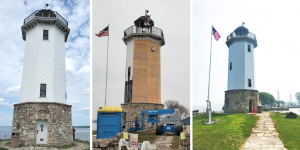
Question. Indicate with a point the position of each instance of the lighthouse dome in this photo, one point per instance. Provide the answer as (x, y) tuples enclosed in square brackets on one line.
[(241, 30), (241, 34)]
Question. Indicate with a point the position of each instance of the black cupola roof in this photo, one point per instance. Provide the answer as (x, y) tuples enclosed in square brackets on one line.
[(241, 30)]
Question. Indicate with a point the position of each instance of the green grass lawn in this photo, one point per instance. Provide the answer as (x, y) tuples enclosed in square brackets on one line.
[(175, 142), (289, 130), (1, 148), (229, 133)]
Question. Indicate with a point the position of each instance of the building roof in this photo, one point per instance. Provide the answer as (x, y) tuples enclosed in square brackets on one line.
[(110, 109)]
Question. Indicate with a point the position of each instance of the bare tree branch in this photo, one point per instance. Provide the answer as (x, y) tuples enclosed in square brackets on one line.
[(174, 104)]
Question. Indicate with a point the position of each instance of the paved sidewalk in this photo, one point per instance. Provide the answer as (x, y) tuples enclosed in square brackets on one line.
[(264, 135), (164, 141)]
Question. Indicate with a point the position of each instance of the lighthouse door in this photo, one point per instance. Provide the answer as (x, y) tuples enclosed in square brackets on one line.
[(41, 132)]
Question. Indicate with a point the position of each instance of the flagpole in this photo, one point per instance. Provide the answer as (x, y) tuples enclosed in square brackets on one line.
[(209, 69), (106, 65)]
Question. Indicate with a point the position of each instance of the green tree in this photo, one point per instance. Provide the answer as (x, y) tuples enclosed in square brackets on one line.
[(298, 96), (266, 98)]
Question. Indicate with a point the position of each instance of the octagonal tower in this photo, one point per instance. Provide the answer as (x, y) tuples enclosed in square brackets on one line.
[(42, 110), (241, 94), (143, 68)]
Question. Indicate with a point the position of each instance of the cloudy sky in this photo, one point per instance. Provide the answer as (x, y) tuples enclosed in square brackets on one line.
[(12, 46), (172, 16), (275, 24)]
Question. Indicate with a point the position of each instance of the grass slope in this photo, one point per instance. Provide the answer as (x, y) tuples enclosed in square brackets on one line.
[(175, 143), (228, 134), (289, 130)]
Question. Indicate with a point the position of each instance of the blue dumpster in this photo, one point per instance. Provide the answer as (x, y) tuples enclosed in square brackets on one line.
[(109, 121)]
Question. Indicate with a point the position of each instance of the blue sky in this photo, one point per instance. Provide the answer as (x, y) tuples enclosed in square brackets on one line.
[(12, 46)]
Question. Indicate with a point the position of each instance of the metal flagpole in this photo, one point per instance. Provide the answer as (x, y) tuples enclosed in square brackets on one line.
[(207, 109), (106, 65)]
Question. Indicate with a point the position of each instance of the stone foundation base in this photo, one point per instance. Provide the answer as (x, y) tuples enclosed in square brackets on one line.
[(131, 111), (237, 101), (57, 115)]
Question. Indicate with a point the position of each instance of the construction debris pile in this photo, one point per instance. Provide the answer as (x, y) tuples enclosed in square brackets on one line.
[(108, 143)]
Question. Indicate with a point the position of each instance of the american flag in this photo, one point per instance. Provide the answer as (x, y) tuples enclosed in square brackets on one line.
[(103, 32), (216, 34)]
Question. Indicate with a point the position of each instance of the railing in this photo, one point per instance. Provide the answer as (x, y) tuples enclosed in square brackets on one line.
[(235, 35), (56, 15), (135, 29)]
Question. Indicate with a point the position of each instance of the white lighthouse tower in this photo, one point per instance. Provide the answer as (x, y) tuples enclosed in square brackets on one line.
[(241, 90), (44, 70), (42, 113)]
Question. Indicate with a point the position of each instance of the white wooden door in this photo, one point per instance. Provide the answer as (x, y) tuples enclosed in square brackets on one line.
[(41, 132)]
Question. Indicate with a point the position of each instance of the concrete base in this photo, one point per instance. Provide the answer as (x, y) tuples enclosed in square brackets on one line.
[(131, 111), (237, 101), (57, 115)]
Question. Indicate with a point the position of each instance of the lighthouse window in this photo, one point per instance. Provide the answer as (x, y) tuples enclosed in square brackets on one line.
[(249, 82), (45, 34), (230, 67), (249, 48), (43, 90)]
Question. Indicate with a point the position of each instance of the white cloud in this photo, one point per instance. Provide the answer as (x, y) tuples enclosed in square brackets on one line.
[(79, 115), (13, 91), (86, 109), (4, 104)]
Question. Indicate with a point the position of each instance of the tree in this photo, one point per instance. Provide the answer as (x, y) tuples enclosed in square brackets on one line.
[(298, 96), (266, 98), (174, 104)]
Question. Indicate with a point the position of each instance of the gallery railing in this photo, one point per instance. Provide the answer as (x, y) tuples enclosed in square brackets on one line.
[(53, 14), (235, 35), (135, 29)]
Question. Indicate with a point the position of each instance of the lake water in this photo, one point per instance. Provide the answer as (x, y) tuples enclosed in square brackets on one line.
[(294, 110), (81, 133), (5, 130)]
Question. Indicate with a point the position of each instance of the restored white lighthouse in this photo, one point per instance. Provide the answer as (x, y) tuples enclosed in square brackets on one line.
[(241, 94), (42, 113), (44, 70), (142, 72)]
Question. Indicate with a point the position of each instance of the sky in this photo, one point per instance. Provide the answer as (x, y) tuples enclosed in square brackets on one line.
[(12, 47), (172, 16), (275, 24)]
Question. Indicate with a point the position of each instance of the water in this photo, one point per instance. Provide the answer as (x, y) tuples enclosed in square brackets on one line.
[(5, 130), (294, 110), (81, 133)]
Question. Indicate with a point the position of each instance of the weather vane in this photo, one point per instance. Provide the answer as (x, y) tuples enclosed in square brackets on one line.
[(243, 23), (46, 6), (146, 12)]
